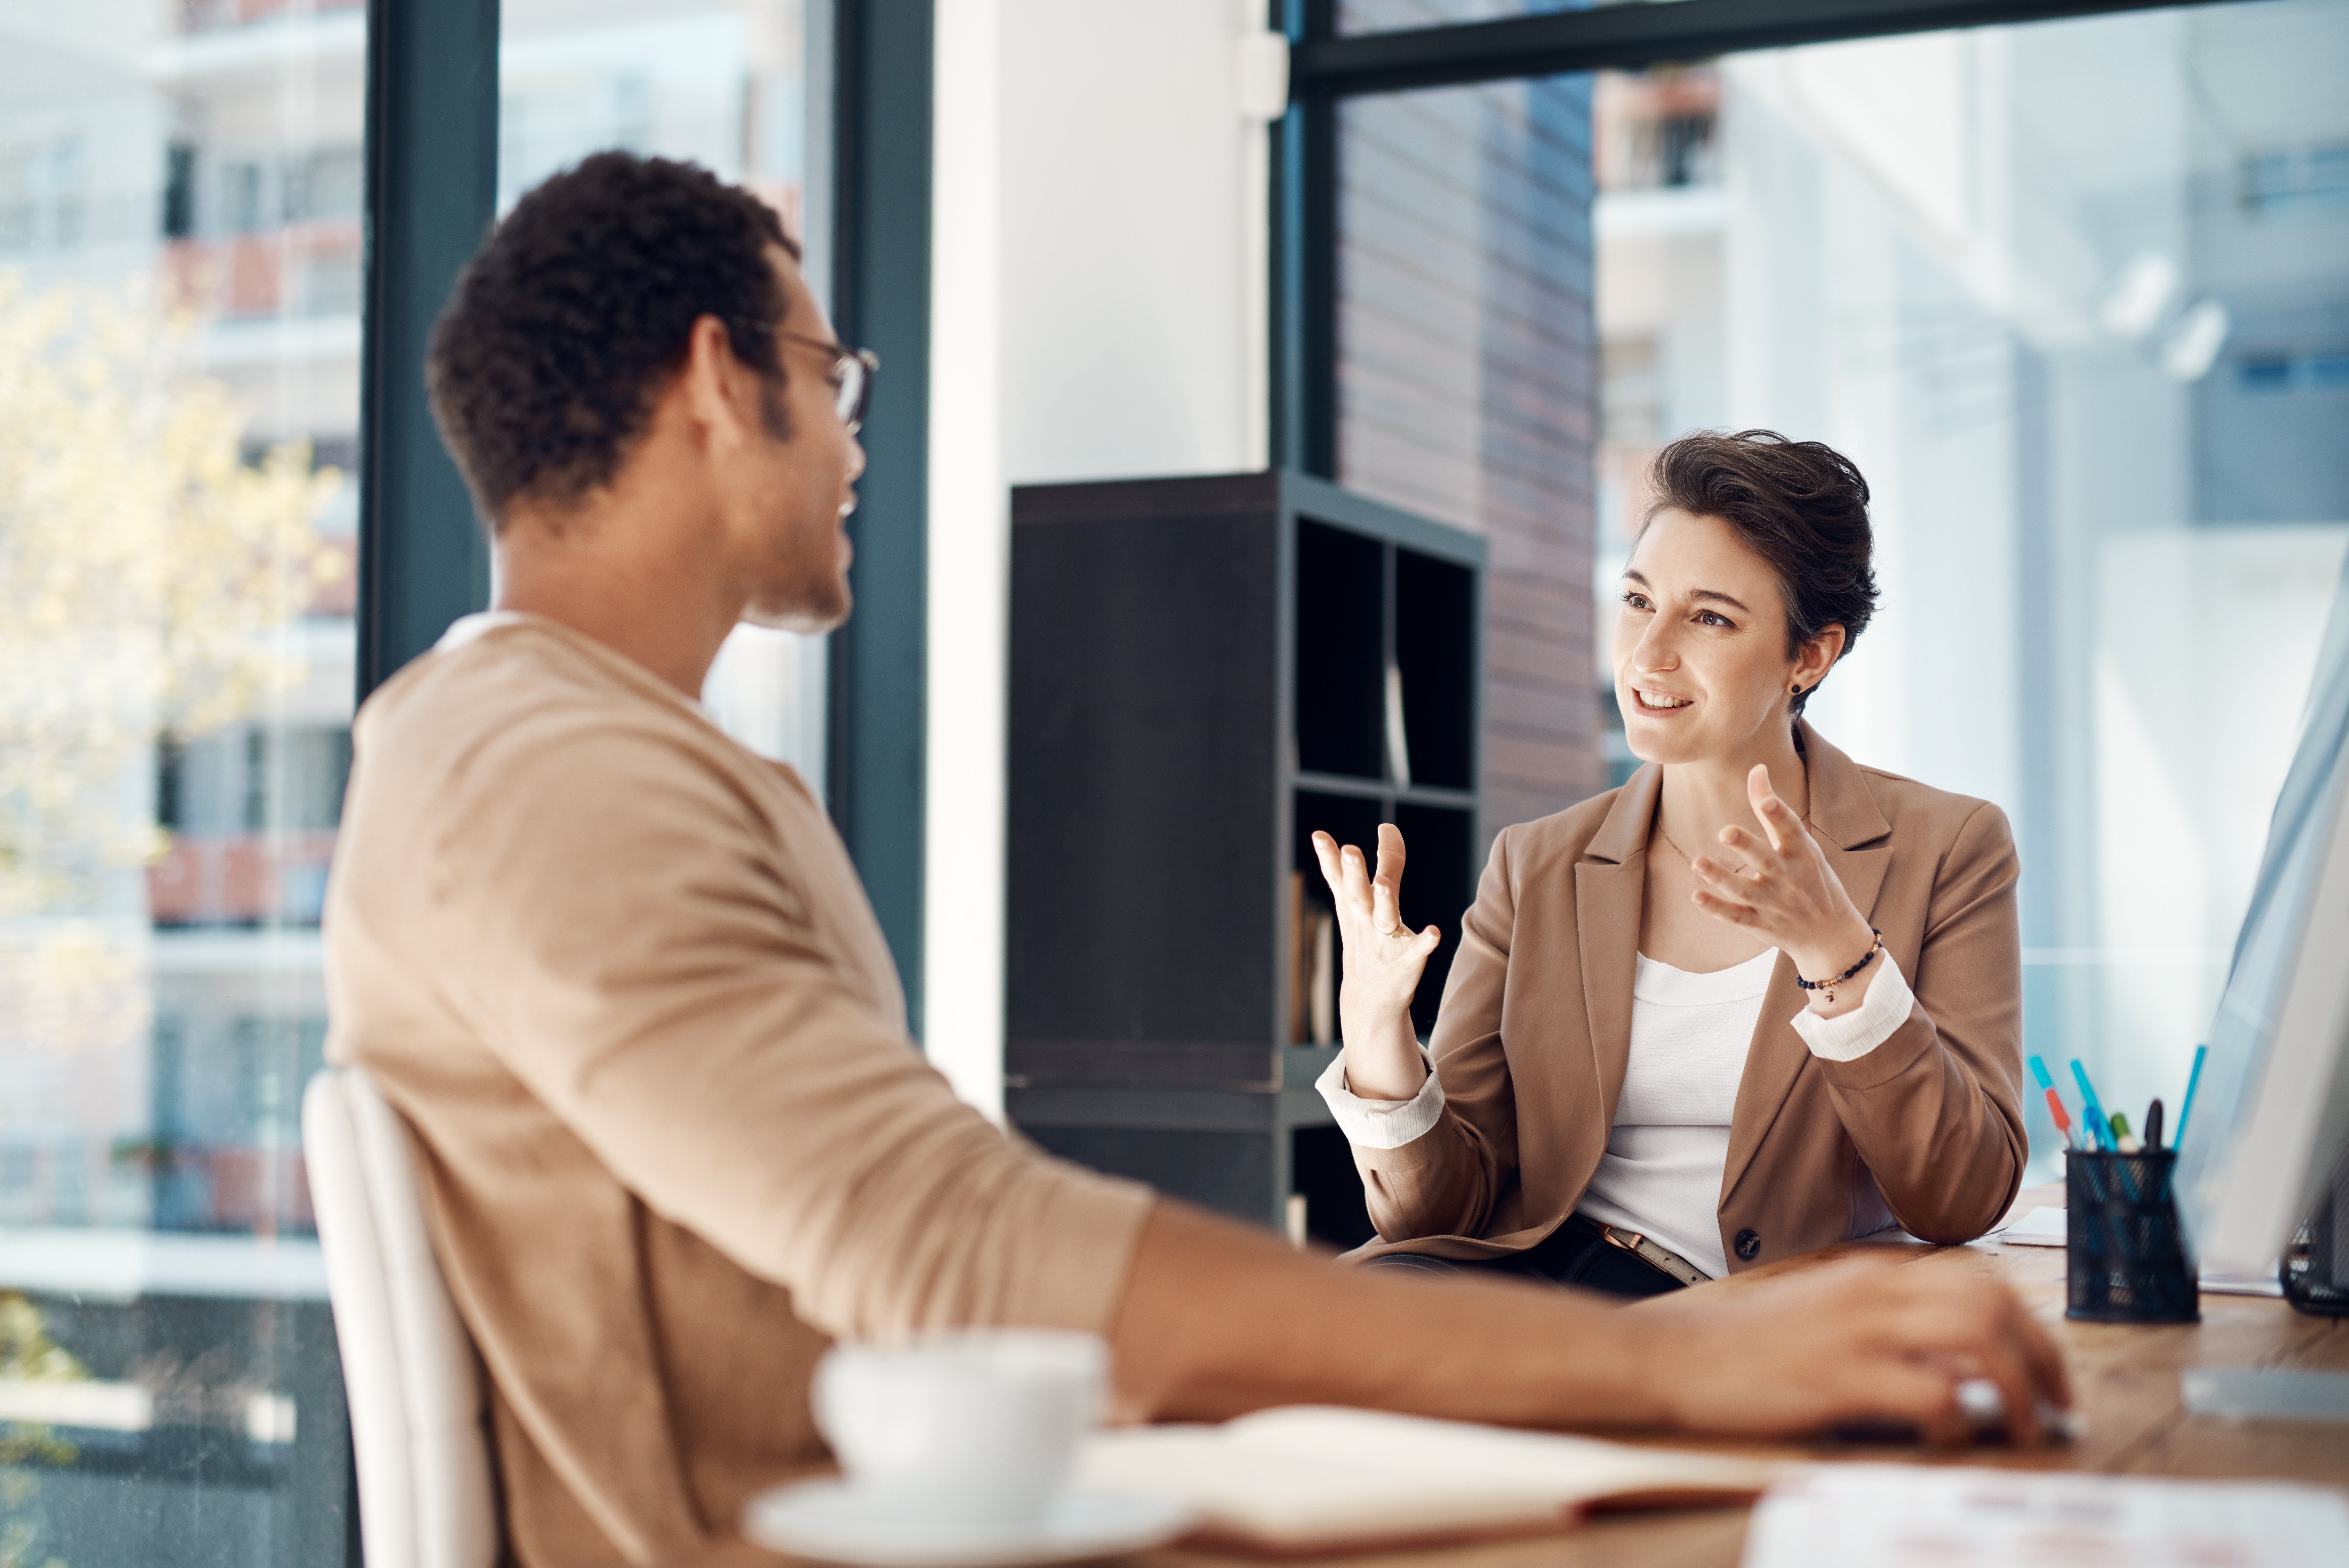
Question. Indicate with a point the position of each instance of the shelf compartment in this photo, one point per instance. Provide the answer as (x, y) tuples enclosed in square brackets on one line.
[(1322, 1172), (1200, 679), (1434, 647), (1340, 662)]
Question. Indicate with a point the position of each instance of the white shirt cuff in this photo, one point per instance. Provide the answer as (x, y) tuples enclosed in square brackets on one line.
[(1381, 1124), (1850, 1036)]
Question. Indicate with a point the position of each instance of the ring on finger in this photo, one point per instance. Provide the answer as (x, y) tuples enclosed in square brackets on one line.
[(1401, 931)]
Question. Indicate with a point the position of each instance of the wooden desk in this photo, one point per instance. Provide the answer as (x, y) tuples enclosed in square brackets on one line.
[(2126, 1383)]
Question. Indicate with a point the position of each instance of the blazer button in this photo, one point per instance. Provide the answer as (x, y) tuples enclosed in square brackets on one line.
[(1749, 1243)]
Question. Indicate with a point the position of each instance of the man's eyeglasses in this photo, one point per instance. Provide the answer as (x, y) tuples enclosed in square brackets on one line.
[(852, 372)]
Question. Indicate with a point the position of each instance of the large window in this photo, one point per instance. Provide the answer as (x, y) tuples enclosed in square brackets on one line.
[(182, 200), (2076, 297), (2073, 294), (180, 255)]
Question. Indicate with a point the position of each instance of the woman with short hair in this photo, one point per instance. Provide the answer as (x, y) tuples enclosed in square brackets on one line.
[(1759, 1000)]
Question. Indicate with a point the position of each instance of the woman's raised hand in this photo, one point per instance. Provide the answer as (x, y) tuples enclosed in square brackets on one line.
[(1382, 965), (1782, 887)]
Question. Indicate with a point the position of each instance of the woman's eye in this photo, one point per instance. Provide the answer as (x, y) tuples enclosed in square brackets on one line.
[(1632, 600), (1709, 618)]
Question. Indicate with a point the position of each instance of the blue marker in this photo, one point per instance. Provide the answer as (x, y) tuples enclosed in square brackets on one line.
[(2193, 1082), (2098, 1123)]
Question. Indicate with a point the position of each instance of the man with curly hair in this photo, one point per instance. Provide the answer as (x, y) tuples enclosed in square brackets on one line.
[(620, 977)]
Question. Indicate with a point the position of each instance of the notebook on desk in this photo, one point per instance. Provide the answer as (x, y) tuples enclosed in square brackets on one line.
[(1309, 1479)]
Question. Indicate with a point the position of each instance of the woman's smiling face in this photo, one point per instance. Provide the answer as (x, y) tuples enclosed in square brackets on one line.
[(1701, 663)]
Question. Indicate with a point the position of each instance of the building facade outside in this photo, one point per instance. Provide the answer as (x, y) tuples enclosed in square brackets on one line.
[(181, 250)]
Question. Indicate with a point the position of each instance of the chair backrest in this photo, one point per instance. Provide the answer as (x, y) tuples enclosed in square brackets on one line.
[(426, 1497)]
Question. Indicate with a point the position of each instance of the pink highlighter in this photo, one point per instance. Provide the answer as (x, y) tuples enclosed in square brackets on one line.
[(2054, 1100)]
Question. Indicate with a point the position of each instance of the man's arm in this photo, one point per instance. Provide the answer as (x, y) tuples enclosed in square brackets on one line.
[(630, 938), (1218, 1319)]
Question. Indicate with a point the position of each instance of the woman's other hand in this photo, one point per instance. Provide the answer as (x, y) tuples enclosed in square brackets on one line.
[(1383, 960), (1782, 887)]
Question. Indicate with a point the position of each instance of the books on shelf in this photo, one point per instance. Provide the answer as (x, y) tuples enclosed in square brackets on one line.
[(1300, 966), (1312, 969), (1325, 978), (1398, 741), (1307, 1479)]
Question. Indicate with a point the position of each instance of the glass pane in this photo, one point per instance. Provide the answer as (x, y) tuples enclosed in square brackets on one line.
[(180, 250), (1397, 15), (1465, 376), (723, 83), (2076, 297)]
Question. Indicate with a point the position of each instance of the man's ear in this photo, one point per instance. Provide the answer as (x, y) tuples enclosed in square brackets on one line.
[(716, 384)]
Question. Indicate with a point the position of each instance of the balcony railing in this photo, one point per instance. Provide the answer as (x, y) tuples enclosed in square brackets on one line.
[(276, 878), (211, 15), (308, 269)]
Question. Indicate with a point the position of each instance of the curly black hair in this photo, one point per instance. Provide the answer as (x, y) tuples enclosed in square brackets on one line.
[(1800, 506), (565, 326)]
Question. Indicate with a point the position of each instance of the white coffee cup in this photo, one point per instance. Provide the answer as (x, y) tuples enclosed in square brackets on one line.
[(969, 1429)]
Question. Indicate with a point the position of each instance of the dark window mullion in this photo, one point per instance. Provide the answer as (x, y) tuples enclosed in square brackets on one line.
[(432, 192), (1626, 36), (877, 713)]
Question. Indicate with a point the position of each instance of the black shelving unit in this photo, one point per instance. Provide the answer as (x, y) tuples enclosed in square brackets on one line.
[(1202, 672)]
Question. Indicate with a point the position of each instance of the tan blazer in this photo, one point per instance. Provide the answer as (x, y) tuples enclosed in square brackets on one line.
[(1536, 1031)]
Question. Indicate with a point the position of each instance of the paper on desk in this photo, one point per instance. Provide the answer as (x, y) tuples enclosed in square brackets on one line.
[(1305, 1479), (2224, 1283), (2040, 1228), (1869, 1516)]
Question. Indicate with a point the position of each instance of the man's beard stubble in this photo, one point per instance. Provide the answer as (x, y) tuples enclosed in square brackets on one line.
[(807, 608)]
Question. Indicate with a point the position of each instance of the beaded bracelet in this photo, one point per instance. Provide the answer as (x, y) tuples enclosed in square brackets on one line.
[(1827, 986)]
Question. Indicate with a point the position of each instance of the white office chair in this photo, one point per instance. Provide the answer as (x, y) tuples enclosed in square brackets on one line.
[(426, 1492)]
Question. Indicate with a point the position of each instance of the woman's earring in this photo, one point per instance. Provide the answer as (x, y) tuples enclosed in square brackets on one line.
[(1797, 693)]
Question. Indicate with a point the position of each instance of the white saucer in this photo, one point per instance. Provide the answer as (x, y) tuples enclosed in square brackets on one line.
[(832, 1521)]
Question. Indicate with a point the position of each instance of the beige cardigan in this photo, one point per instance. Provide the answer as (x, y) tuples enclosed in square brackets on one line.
[(619, 975), (1536, 1031)]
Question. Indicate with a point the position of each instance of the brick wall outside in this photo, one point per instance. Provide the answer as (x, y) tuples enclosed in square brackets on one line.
[(1467, 377)]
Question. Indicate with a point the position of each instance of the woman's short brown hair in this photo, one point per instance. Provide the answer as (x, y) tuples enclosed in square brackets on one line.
[(1800, 506)]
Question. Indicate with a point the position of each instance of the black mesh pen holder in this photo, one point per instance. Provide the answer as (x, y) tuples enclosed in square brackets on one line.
[(2127, 1255)]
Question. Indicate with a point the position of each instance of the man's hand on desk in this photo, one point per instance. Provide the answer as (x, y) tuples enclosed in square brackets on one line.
[(1219, 1319), (1855, 1342)]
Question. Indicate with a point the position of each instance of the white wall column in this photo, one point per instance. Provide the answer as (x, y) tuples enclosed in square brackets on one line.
[(1099, 295), (969, 543)]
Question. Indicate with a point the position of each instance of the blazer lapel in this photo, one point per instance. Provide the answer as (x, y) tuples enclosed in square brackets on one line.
[(1609, 887), (1851, 831)]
